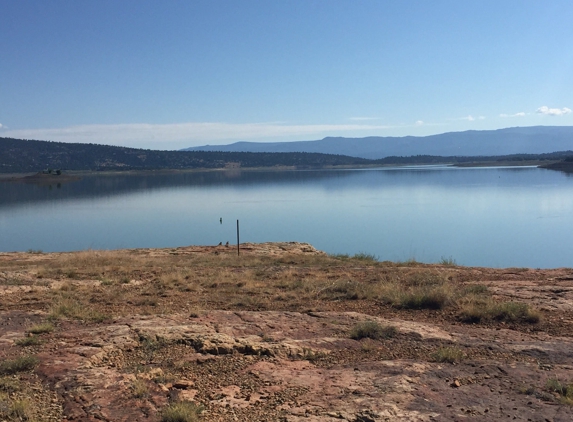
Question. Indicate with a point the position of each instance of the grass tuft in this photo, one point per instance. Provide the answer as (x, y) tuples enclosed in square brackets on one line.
[(45, 327), (363, 256), (28, 341), (372, 330), (182, 411), (20, 364), (448, 355), (139, 389), (564, 390), (478, 311), (449, 261)]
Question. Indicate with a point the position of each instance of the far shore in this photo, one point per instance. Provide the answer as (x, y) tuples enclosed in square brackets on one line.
[(71, 175)]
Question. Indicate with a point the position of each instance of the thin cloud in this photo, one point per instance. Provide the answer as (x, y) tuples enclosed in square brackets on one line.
[(419, 123), (553, 111), (520, 114), (364, 118), (183, 134), (471, 118)]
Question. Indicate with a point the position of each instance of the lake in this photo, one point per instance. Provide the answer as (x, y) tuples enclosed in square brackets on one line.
[(495, 216)]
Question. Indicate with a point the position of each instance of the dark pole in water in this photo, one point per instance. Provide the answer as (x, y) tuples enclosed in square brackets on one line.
[(238, 238)]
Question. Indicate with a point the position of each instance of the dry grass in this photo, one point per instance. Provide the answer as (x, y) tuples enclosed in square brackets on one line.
[(448, 355), (564, 390), (15, 409), (70, 307), (96, 285), (478, 310), (42, 328), (422, 290), (20, 401), (20, 364), (182, 411), (28, 341), (372, 330), (139, 389)]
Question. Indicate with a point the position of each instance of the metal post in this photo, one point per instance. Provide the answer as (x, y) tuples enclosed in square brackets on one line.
[(238, 238)]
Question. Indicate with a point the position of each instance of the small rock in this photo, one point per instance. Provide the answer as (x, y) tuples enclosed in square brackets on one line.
[(183, 384)]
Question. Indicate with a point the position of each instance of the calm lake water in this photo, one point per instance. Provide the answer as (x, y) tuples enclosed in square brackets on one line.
[(498, 217)]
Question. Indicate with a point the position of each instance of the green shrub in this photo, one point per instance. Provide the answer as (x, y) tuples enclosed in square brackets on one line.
[(373, 330)]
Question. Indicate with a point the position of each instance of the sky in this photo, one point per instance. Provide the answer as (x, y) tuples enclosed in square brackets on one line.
[(174, 74)]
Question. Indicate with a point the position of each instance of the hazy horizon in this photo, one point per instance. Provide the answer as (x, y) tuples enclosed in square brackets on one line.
[(174, 75)]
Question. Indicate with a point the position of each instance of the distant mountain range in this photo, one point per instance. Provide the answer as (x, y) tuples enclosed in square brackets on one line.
[(28, 156), (516, 140)]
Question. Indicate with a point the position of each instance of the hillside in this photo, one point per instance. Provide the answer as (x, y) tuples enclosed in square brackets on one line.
[(517, 140), (25, 156), (21, 156)]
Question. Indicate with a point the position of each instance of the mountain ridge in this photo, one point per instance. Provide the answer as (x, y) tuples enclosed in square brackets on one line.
[(507, 141)]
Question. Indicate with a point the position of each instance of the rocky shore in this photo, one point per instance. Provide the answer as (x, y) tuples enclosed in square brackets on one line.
[(281, 333)]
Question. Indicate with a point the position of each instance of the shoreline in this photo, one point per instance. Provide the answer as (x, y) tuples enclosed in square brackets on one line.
[(283, 332), (79, 173)]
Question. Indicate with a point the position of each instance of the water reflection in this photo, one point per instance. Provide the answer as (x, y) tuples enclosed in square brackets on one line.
[(493, 217)]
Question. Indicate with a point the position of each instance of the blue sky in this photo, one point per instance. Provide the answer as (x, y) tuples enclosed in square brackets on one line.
[(172, 74)]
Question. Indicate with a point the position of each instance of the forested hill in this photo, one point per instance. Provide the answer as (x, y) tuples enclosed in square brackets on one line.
[(22, 156)]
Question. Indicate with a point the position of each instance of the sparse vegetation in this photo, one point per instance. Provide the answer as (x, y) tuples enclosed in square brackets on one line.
[(9, 385), (421, 291), (476, 311), (564, 390), (310, 355), (20, 410), (181, 411), (43, 328), (29, 341), (448, 354), (20, 364), (68, 307), (372, 330), (139, 389), (363, 256), (449, 261), (334, 292)]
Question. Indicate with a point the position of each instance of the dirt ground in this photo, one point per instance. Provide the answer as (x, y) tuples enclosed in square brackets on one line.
[(282, 332)]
